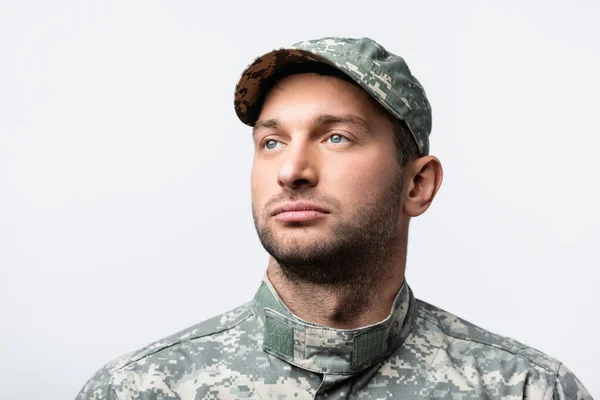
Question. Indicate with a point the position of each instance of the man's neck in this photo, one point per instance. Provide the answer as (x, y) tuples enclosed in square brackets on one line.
[(348, 306)]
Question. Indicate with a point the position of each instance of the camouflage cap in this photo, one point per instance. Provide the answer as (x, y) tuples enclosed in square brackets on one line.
[(385, 76)]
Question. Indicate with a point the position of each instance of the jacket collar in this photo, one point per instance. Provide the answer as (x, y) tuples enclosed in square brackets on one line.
[(326, 350)]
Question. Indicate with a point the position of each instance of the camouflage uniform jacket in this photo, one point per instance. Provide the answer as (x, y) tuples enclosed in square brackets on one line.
[(262, 351)]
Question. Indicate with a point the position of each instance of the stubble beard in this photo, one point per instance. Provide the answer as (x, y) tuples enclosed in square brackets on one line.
[(354, 253)]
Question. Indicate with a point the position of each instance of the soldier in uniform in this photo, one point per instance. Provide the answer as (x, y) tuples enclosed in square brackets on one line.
[(341, 164)]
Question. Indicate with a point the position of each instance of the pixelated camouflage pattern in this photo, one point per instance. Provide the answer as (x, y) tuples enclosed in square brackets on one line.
[(384, 75), (419, 352)]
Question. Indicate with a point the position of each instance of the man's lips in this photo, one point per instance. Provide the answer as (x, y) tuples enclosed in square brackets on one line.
[(298, 212)]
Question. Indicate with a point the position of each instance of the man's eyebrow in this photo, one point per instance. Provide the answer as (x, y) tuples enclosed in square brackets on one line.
[(352, 119), (322, 119), (272, 123)]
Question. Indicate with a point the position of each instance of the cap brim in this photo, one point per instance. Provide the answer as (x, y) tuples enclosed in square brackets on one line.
[(254, 80)]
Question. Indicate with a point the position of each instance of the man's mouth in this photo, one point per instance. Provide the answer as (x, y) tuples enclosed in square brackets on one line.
[(299, 211)]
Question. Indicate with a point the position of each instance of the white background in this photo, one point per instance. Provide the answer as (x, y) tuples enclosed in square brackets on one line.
[(124, 172)]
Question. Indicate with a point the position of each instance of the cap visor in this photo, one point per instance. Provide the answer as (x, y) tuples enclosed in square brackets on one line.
[(249, 90)]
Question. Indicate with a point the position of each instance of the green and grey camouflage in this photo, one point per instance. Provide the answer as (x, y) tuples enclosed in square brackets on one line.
[(262, 351), (385, 76)]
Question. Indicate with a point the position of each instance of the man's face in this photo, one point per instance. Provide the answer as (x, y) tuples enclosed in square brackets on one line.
[(326, 184)]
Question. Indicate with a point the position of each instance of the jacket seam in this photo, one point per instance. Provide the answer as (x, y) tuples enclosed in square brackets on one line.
[(548, 394), (516, 353)]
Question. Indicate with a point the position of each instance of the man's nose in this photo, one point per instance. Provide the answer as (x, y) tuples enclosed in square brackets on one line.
[(299, 168)]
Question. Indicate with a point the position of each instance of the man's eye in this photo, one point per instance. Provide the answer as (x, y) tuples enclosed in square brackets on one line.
[(271, 144), (337, 139)]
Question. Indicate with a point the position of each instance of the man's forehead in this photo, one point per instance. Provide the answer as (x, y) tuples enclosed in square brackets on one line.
[(318, 99)]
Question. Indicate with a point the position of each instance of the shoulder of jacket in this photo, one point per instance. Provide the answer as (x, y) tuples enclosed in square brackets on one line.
[(209, 327), (460, 329)]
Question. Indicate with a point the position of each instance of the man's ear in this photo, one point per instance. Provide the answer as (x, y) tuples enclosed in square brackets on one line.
[(422, 179)]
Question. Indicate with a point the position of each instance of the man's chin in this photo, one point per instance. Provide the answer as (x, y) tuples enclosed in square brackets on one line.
[(298, 243), (299, 246)]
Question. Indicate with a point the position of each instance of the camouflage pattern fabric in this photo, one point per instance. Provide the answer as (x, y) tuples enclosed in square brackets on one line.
[(262, 351), (385, 76)]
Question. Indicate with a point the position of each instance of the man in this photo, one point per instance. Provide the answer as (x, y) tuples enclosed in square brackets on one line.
[(341, 164)]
